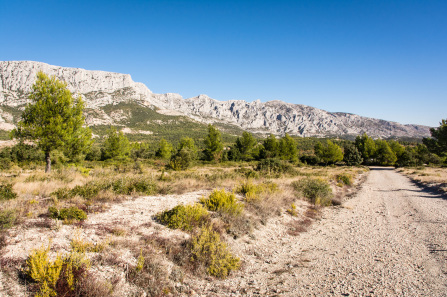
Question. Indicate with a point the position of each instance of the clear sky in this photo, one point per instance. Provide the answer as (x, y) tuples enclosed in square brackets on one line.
[(377, 58)]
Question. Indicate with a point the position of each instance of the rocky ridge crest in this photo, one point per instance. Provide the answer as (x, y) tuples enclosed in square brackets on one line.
[(100, 88)]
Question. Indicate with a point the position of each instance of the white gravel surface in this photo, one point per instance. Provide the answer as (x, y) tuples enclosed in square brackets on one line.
[(389, 240)]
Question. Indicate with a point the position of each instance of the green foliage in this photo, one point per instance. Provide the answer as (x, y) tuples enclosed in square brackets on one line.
[(164, 150), (188, 144), (329, 153), (287, 148), (54, 119), (6, 192), (181, 160), (352, 156), (245, 146), (68, 215), (116, 145), (438, 142), (22, 153), (123, 186), (317, 191), (274, 166), (253, 191), (213, 144), (270, 148), (8, 218), (59, 277), (292, 210), (208, 250), (384, 154), (366, 146), (344, 178), (223, 202), (185, 217)]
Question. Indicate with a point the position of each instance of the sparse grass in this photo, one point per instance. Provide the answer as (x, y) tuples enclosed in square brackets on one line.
[(434, 177)]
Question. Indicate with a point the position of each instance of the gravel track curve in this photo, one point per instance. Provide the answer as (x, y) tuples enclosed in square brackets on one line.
[(389, 240)]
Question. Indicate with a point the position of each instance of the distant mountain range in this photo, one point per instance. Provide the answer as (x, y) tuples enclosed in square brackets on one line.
[(102, 90)]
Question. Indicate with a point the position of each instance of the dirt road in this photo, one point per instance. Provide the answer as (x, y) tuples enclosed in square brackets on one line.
[(389, 240)]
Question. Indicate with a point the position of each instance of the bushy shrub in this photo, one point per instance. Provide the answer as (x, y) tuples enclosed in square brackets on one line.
[(184, 217), (344, 178), (317, 191), (67, 214), (8, 218), (253, 191), (208, 250), (181, 160), (59, 277), (6, 192), (223, 202), (248, 173), (274, 166), (292, 210), (123, 186), (128, 186)]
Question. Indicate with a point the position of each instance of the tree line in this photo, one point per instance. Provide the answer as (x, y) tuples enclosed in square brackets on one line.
[(52, 128)]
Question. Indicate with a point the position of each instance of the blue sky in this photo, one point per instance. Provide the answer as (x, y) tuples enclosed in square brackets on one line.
[(383, 59)]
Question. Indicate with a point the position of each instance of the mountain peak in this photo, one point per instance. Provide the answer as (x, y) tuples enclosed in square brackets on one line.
[(101, 88)]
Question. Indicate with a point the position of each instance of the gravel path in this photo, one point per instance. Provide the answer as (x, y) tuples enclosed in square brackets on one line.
[(390, 240)]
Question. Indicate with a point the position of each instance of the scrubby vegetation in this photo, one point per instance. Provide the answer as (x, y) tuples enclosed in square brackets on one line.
[(185, 217), (316, 190), (245, 181)]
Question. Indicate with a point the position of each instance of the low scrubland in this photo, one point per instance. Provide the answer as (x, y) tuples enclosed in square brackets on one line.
[(432, 177), (62, 233)]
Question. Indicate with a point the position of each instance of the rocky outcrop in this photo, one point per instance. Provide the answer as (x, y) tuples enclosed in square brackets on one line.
[(99, 88)]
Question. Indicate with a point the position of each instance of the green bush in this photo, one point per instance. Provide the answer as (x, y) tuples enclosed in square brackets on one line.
[(60, 277), (208, 250), (223, 202), (184, 217), (317, 191), (128, 186), (248, 173), (6, 192), (124, 186), (67, 214), (344, 178), (253, 191), (8, 218), (274, 166)]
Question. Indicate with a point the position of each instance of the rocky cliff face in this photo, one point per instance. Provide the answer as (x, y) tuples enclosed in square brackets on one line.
[(99, 89)]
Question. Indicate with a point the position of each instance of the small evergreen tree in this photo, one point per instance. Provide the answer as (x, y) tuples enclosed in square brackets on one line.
[(245, 146), (384, 154), (352, 156), (366, 147), (188, 143), (438, 142), (54, 120), (116, 145), (164, 149), (287, 148), (270, 148), (329, 153), (213, 144)]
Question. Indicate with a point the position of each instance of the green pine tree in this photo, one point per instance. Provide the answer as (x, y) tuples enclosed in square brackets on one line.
[(54, 120), (213, 144)]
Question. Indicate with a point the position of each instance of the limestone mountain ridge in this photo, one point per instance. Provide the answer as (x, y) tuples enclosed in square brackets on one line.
[(100, 89)]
